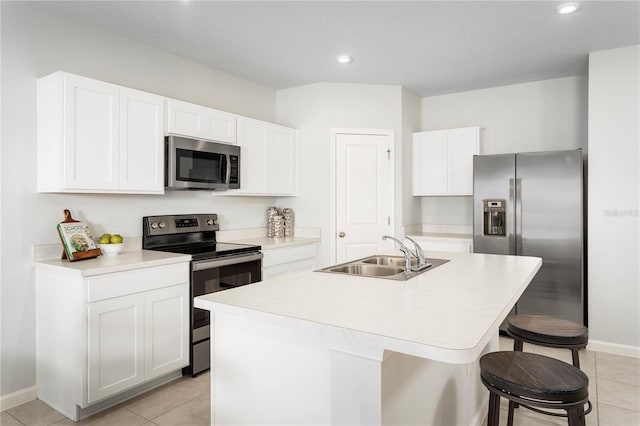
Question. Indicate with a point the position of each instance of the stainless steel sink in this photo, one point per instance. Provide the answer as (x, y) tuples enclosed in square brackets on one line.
[(367, 270), (379, 266), (397, 261)]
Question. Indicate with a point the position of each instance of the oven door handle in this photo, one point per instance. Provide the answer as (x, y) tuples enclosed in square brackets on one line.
[(200, 265)]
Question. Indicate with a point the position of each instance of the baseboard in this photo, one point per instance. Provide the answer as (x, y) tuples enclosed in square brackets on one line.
[(18, 398), (614, 348)]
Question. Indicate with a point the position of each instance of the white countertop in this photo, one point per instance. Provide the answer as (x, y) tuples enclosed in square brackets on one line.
[(447, 314), (274, 243), (124, 261)]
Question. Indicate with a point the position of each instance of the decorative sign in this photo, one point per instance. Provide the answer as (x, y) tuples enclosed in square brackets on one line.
[(76, 239)]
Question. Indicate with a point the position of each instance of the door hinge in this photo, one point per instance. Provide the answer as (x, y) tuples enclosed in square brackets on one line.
[(388, 153), (388, 220)]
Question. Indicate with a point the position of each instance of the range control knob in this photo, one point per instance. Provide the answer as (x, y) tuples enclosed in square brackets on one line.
[(210, 222), (154, 225), (162, 225)]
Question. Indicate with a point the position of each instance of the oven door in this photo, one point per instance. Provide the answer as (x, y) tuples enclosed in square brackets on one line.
[(209, 276)]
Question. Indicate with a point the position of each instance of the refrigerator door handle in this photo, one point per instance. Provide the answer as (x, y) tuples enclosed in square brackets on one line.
[(510, 219), (518, 218)]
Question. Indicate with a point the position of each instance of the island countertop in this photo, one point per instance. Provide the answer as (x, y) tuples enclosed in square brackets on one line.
[(446, 314)]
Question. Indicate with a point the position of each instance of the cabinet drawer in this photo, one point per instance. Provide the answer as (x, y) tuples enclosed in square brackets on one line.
[(135, 281), (288, 254), (433, 244)]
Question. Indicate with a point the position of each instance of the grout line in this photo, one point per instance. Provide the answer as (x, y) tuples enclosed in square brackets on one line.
[(14, 417)]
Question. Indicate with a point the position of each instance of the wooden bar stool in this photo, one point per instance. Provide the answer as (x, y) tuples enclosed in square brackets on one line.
[(535, 382), (548, 331)]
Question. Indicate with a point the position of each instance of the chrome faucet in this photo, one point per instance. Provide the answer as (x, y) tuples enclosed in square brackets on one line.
[(408, 254), (419, 253)]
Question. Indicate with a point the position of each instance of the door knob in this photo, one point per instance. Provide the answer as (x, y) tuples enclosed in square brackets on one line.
[(341, 234)]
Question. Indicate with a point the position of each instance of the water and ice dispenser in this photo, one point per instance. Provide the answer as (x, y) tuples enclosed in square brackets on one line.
[(494, 218)]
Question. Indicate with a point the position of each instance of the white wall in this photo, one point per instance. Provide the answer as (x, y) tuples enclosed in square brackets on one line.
[(34, 44), (316, 109), (412, 206), (614, 186), (536, 116)]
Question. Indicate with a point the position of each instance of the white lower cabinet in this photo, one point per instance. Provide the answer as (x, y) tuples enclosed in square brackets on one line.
[(289, 260), (101, 335), (457, 245), (116, 355)]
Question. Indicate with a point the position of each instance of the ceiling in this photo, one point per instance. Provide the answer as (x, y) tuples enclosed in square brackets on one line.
[(429, 47)]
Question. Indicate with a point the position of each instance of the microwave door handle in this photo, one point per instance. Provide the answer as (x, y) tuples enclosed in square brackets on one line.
[(227, 168)]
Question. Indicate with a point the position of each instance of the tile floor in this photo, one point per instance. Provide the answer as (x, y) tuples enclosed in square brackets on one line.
[(614, 390)]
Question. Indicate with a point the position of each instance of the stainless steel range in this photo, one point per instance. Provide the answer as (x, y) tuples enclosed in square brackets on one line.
[(214, 267)]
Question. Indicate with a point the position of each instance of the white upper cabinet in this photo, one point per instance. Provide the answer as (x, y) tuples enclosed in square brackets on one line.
[(141, 141), (267, 158), (98, 137), (443, 161), (200, 122)]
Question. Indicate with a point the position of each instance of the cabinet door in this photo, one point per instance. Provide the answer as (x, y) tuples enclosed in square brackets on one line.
[(430, 163), (252, 138), (167, 330), (91, 134), (115, 345), (141, 142), (281, 161), (200, 122), (268, 158), (462, 145)]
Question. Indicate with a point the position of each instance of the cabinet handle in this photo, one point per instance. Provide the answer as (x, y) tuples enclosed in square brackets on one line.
[(341, 234)]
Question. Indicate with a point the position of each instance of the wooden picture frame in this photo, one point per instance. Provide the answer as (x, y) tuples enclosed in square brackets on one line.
[(76, 239)]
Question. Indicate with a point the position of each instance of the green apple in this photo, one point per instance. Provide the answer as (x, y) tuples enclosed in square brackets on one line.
[(116, 239), (104, 239)]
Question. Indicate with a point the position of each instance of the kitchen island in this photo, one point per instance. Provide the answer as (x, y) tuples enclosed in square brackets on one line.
[(321, 348)]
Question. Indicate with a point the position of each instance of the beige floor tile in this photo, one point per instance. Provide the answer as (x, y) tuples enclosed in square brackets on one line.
[(618, 358), (619, 369), (194, 413), (200, 383), (522, 419), (116, 416), (164, 399), (588, 362), (614, 416), (35, 413), (506, 344), (592, 417), (618, 394), (7, 419), (561, 354)]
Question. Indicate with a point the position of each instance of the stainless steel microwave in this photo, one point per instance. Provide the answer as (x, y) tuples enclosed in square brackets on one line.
[(199, 164)]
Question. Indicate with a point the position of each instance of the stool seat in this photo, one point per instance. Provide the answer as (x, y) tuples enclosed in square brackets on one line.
[(536, 382), (536, 376), (547, 330)]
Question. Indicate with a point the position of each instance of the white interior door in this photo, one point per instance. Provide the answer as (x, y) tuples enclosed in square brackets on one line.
[(364, 193)]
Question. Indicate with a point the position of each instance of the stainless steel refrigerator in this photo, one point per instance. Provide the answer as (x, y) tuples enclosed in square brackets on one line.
[(531, 204)]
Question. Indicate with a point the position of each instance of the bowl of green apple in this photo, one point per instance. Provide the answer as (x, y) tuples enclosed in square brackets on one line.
[(110, 244)]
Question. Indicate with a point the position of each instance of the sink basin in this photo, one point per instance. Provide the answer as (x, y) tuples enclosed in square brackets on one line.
[(397, 261), (366, 270), (380, 266)]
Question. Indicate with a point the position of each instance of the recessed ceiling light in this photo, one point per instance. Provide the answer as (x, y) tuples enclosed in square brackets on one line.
[(566, 8), (344, 59)]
